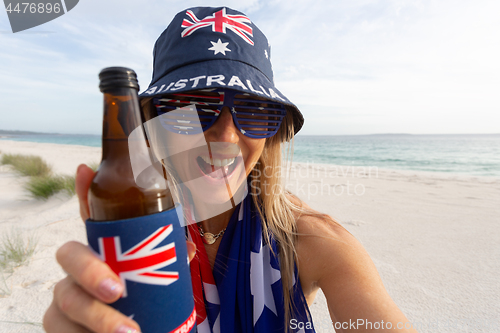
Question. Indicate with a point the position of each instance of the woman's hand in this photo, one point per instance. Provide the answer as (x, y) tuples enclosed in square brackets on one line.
[(80, 299), (79, 303), (84, 176)]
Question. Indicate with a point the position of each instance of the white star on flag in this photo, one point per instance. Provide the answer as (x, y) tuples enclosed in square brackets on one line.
[(219, 47), (212, 296), (262, 276)]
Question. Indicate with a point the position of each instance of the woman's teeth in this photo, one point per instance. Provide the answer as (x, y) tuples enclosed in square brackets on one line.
[(218, 162)]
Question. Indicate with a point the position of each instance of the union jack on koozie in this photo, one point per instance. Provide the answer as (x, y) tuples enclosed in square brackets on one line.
[(219, 21), (142, 262), (149, 255)]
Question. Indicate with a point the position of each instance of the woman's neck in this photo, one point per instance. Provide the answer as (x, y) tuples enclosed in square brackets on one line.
[(215, 224)]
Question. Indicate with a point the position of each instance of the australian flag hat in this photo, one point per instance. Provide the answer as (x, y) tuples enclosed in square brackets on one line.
[(205, 47)]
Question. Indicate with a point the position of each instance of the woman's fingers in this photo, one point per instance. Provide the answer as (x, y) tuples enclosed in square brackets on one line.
[(81, 308), (55, 321), (80, 298), (89, 272), (191, 248), (84, 176)]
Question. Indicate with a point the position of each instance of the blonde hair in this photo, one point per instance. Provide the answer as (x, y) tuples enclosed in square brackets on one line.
[(278, 213)]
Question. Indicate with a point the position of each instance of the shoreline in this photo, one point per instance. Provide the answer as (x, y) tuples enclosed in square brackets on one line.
[(13, 145), (406, 172)]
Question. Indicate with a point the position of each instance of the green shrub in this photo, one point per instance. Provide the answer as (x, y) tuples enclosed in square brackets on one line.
[(27, 165), (15, 250), (5, 290), (45, 186), (42, 183)]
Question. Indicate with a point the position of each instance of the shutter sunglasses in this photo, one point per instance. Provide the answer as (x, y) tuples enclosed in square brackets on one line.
[(254, 117)]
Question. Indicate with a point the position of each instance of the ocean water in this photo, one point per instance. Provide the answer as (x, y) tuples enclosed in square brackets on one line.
[(477, 155), (63, 139), (470, 154)]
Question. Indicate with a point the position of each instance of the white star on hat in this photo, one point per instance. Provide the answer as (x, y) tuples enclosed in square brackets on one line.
[(219, 47), (265, 52)]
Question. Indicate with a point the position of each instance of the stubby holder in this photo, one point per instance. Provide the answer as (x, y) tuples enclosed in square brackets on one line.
[(149, 255)]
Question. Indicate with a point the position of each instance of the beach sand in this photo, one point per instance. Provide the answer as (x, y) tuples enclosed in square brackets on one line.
[(432, 236)]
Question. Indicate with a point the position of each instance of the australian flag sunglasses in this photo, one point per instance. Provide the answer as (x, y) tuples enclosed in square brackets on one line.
[(255, 117)]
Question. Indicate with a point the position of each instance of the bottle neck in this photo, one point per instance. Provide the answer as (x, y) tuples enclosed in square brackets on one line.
[(121, 117)]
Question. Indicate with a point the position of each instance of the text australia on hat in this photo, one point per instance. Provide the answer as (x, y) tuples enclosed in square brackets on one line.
[(220, 79), (218, 22)]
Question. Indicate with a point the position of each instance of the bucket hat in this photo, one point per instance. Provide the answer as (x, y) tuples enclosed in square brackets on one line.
[(207, 47)]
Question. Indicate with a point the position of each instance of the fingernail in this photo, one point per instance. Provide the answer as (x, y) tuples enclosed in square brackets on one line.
[(126, 329), (109, 288)]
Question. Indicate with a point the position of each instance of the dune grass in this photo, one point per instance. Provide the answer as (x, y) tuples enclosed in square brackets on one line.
[(27, 165), (15, 250), (43, 183), (45, 186), (5, 290)]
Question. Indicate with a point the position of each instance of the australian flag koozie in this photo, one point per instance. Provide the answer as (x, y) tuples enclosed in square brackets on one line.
[(149, 255)]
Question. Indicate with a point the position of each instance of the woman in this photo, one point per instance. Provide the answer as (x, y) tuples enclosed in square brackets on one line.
[(208, 53)]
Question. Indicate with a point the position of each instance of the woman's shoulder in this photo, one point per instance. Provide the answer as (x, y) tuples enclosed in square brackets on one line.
[(324, 247), (312, 224), (330, 258)]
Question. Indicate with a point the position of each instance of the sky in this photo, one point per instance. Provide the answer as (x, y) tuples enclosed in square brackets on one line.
[(352, 67)]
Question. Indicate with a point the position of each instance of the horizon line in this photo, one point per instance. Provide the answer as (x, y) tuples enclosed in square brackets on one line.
[(24, 132)]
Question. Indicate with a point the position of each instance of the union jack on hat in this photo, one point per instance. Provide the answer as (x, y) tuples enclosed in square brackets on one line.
[(206, 47)]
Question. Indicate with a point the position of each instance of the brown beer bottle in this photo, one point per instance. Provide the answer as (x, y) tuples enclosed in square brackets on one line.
[(114, 194)]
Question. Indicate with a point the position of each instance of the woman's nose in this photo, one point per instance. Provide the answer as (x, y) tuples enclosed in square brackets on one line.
[(223, 130)]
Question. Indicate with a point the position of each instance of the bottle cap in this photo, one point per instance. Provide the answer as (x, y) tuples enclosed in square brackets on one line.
[(114, 77)]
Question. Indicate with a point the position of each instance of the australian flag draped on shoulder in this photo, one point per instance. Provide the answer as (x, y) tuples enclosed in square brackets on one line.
[(244, 294)]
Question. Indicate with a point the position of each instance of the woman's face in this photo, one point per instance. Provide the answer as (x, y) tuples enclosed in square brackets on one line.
[(213, 165), (224, 131)]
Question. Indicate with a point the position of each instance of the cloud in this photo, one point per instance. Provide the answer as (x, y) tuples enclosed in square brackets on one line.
[(371, 64), (390, 59)]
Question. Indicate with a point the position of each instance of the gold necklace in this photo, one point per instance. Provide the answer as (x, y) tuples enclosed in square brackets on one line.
[(208, 237)]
